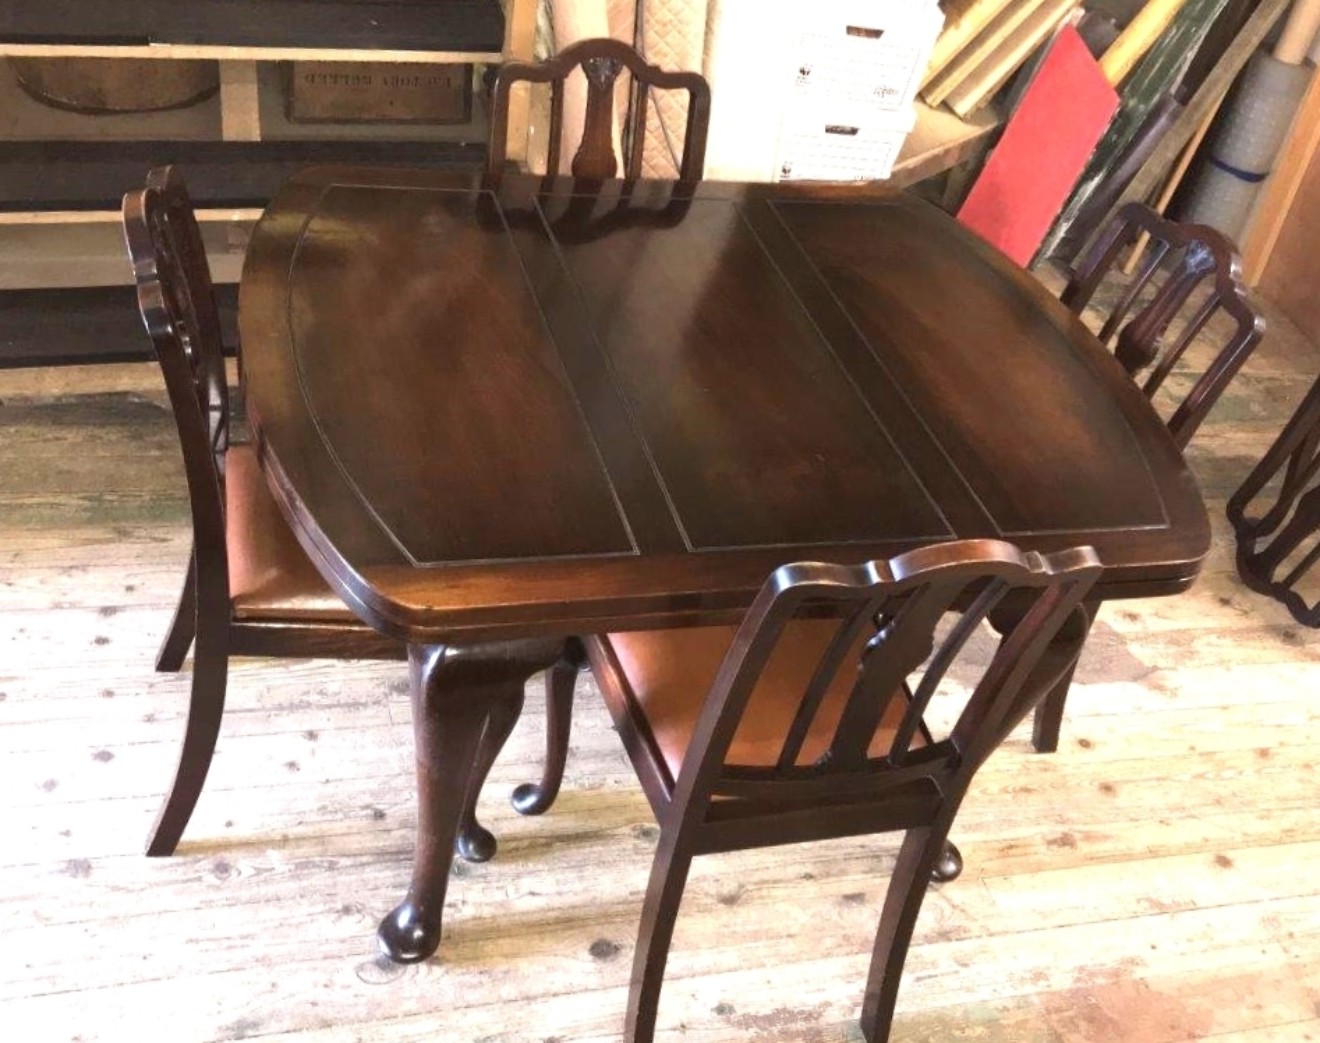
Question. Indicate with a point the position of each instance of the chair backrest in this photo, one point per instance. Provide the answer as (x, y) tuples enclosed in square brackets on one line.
[(1285, 537), (177, 302), (1180, 260), (602, 61), (898, 605)]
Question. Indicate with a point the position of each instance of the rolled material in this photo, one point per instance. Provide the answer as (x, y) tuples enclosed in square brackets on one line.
[(1099, 31), (1247, 143), (1299, 32), (1222, 201), (1135, 40), (1270, 92)]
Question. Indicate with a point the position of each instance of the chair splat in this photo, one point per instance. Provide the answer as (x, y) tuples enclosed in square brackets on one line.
[(800, 725), (603, 63)]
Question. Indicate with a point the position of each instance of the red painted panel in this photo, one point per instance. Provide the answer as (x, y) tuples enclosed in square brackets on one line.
[(1041, 154)]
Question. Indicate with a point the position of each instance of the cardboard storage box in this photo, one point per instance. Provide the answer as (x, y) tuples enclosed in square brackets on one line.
[(816, 148), (379, 92), (839, 75), (865, 56)]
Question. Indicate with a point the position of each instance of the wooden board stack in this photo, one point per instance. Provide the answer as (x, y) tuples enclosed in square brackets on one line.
[(1153, 86), (984, 42)]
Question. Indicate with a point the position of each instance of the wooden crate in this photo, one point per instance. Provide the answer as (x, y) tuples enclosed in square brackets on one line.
[(379, 92)]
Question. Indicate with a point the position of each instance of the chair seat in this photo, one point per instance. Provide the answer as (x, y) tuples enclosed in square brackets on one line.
[(666, 674), (270, 577)]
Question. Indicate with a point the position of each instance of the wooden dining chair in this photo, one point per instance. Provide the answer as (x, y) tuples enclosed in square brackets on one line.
[(249, 588), (1188, 274), (797, 726), (602, 61), (1278, 549)]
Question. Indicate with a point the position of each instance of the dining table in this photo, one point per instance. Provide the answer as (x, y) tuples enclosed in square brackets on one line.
[(499, 411)]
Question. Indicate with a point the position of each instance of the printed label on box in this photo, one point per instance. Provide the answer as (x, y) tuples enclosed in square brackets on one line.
[(877, 73), (837, 152)]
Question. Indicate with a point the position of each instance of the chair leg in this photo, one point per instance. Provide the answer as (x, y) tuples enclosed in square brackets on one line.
[(184, 627), (949, 866), (205, 707), (664, 894), (1048, 719), (475, 843), (533, 798), (921, 851)]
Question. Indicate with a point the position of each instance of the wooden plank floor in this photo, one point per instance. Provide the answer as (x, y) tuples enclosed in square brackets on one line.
[(1156, 881)]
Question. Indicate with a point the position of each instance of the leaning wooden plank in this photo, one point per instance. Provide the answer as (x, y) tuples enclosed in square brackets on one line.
[(113, 217), (1043, 149), (978, 88), (963, 19), (1257, 27), (1298, 32), (1026, 71), (1280, 189), (1147, 27), (1171, 186), (979, 50), (1152, 97), (1021, 78), (1218, 37), (519, 43)]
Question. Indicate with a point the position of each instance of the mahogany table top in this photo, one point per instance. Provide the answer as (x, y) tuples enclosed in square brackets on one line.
[(547, 408)]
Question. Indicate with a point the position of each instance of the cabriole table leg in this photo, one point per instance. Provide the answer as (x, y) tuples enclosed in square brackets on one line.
[(1056, 669), (453, 692)]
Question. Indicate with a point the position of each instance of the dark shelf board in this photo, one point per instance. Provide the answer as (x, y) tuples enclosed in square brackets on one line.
[(94, 175), (416, 25), (98, 324)]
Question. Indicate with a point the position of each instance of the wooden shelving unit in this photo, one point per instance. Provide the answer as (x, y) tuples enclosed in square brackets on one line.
[(62, 173), (248, 38)]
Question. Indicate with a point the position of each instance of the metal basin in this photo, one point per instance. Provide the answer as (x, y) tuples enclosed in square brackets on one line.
[(99, 85)]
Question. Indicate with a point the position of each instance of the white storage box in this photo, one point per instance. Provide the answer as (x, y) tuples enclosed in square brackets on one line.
[(817, 149), (866, 55), (781, 72)]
